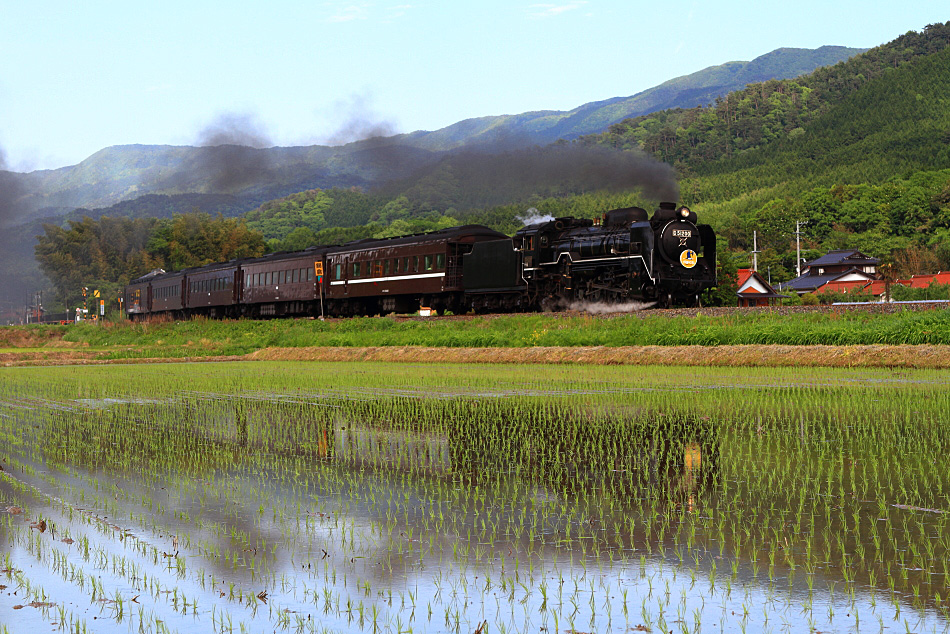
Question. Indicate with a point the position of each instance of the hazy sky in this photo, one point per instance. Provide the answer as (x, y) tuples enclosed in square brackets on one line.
[(79, 76)]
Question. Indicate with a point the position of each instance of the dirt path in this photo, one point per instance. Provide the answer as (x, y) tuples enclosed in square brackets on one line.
[(745, 356), (875, 356)]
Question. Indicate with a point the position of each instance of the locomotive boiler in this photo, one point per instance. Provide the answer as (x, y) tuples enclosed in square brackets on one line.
[(667, 259)]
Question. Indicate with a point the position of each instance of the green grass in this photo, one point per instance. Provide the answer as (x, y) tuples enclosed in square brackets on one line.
[(207, 337)]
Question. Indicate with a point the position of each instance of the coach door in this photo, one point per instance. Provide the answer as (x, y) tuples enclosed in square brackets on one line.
[(346, 274)]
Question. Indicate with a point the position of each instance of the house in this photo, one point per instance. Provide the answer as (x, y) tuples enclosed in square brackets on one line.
[(843, 265), (754, 290), (878, 289), (924, 281)]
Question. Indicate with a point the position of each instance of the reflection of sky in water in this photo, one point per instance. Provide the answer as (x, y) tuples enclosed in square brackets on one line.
[(369, 553)]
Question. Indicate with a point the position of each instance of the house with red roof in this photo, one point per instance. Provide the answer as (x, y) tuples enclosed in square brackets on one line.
[(754, 290), (923, 281), (878, 289)]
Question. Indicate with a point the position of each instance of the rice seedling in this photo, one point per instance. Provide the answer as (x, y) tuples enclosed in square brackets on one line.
[(342, 497)]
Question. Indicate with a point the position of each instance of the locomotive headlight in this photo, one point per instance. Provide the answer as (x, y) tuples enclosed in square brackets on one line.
[(684, 212)]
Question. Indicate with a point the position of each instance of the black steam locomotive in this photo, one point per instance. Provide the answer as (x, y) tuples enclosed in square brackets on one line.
[(667, 259)]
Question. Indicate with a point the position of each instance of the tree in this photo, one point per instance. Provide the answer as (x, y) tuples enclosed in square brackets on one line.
[(87, 251), (196, 239)]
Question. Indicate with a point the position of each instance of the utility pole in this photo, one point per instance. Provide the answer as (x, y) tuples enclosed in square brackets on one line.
[(755, 252), (798, 247)]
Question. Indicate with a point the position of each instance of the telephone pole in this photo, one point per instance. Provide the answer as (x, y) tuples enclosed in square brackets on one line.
[(755, 252), (798, 247)]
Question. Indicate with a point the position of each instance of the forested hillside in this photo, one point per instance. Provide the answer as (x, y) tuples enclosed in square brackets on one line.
[(778, 110)]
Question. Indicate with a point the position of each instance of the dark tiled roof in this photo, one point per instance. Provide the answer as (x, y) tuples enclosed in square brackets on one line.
[(807, 282), (843, 256), (810, 282)]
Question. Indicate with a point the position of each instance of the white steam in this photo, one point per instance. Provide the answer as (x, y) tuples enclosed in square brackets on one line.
[(604, 308), (533, 216)]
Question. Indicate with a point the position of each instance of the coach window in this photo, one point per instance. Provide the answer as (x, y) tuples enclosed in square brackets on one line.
[(405, 264), (428, 262), (378, 268), (338, 272), (386, 267), (415, 264), (440, 261), (356, 269)]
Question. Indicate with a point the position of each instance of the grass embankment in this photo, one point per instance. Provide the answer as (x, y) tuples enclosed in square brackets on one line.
[(888, 336)]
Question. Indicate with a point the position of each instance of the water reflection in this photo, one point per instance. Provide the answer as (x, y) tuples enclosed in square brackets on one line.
[(590, 522)]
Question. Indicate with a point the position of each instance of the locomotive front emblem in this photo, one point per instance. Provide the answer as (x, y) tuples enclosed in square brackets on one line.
[(688, 258)]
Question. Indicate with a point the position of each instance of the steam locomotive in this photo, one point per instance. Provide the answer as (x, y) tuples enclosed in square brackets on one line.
[(626, 255)]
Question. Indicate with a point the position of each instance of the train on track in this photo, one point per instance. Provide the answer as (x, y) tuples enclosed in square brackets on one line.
[(626, 255)]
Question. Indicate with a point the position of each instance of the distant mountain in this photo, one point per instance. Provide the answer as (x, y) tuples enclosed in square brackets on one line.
[(252, 176), (696, 89)]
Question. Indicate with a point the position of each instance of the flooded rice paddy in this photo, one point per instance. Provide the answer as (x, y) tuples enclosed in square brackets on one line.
[(257, 497)]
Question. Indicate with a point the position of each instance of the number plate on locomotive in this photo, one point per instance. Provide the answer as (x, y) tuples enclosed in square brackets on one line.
[(682, 233)]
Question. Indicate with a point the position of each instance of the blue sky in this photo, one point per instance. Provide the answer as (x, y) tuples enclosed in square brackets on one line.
[(79, 76)]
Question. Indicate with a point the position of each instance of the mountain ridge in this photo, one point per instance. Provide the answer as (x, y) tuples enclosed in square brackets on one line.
[(120, 173)]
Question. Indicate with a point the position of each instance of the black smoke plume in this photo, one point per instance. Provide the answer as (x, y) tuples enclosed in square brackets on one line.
[(233, 154), (482, 177), (11, 192), (359, 121)]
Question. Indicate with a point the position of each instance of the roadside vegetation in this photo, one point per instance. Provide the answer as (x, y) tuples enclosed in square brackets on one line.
[(836, 326)]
